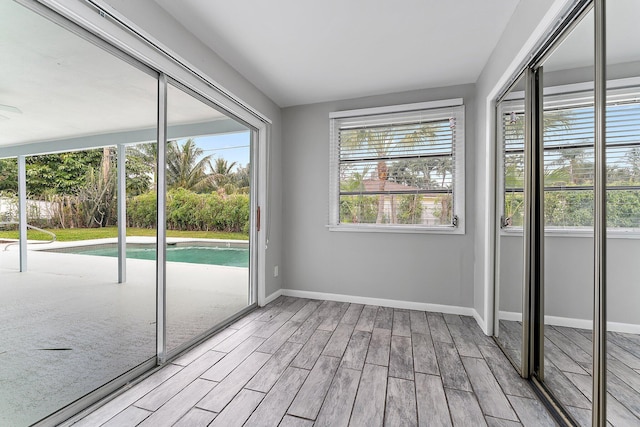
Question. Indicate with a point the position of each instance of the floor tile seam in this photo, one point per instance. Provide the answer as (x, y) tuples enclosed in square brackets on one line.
[(325, 395), (499, 386), (173, 395), (238, 392), (446, 399)]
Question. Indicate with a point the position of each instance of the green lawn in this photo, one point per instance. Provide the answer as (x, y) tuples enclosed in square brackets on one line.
[(73, 234)]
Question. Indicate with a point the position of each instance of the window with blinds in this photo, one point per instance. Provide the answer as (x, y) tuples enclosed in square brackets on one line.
[(399, 169), (569, 161)]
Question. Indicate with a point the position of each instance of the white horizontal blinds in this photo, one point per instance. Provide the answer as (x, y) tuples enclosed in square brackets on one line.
[(623, 164), (397, 168), (568, 150), (512, 124), (568, 164)]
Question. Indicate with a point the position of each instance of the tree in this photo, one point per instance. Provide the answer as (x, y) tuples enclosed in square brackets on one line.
[(222, 173), (412, 173), (97, 198), (242, 178), (356, 208), (140, 175), (144, 154), (633, 157), (442, 166), (553, 122), (574, 162), (187, 168), (514, 131), (63, 173), (410, 209), (9, 175)]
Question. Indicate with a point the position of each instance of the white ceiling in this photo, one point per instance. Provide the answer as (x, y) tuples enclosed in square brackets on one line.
[(300, 52), (623, 34), (55, 85)]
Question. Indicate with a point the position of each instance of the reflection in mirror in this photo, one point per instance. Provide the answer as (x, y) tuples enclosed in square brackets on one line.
[(568, 137), (623, 212), (9, 235), (509, 237), (68, 326), (208, 210)]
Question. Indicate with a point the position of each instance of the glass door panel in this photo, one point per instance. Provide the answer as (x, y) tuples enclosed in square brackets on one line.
[(623, 215), (9, 235), (68, 326), (568, 137), (208, 217), (509, 231)]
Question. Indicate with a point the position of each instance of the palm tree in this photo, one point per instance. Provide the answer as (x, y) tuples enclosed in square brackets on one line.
[(186, 167), (222, 174), (574, 162), (242, 178), (442, 166), (552, 121)]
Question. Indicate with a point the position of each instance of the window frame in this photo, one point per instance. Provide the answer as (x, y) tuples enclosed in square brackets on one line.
[(432, 110), (576, 94)]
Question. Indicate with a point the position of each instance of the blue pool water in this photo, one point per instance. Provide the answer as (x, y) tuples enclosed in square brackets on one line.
[(215, 255)]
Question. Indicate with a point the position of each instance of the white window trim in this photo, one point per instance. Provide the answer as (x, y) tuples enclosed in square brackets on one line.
[(564, 95), (439, 110)]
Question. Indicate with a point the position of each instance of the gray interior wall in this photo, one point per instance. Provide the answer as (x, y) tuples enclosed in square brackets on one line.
[(569, 277), (156, 22), (510, 272), (427, 268), (585, 74)]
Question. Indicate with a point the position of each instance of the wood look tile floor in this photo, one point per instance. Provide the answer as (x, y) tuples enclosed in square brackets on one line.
[(298, 362), (568, 366)]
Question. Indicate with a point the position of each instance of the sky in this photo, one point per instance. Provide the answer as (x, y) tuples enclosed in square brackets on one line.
[(233, 147)]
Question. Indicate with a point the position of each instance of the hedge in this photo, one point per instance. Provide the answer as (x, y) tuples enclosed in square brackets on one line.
[(191, 211), (575, 208)]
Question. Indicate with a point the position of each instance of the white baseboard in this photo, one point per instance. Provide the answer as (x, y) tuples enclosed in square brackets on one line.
[(480, 321), (628, 328), (273, 296), (510, 316), (409, 305)]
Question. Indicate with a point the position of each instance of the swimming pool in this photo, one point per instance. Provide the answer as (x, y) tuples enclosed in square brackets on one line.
[(233, 255)]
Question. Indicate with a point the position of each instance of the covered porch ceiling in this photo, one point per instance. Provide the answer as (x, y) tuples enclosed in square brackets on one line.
[(60, 92)]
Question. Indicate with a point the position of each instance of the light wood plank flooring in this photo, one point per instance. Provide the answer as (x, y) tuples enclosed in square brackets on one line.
[(299, 362), (568, 366)]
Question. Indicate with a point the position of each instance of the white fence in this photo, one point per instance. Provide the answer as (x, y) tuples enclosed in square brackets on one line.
[(36, 209)]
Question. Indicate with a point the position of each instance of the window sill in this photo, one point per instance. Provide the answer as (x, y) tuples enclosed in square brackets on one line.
[(409, 229), (628, 233)]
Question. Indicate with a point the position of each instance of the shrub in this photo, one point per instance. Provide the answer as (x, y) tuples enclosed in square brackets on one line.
[(358, 209), (410, 209), (190, 211)]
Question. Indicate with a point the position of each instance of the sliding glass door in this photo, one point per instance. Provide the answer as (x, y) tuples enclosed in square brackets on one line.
[(127, 216), (68, 326), (208, 188)]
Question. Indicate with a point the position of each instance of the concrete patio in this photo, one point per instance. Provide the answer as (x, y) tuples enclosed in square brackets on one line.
[(69, 327)]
